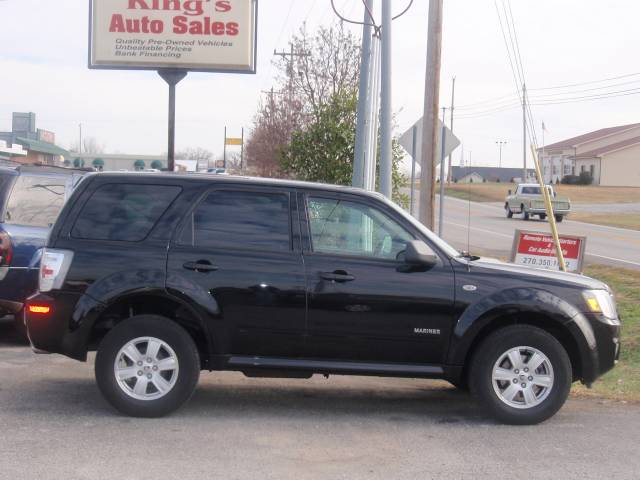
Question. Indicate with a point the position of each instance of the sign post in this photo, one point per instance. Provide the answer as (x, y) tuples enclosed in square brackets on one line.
[(173, 37), (537, 249), (172, 77)]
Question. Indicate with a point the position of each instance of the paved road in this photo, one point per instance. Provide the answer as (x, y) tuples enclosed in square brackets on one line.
[(55, 425), (492, 232)]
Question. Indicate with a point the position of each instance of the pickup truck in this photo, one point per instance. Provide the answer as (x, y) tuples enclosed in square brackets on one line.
[(528, 200), (31, 197)]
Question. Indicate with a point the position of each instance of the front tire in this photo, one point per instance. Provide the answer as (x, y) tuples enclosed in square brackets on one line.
[(522, 374), (508, 211), (147, 366), (559, 218)]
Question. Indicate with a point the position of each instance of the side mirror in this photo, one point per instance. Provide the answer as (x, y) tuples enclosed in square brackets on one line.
[(509, 192), (418, 253)]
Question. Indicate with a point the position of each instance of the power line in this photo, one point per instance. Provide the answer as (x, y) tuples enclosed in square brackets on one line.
[(588, 82)]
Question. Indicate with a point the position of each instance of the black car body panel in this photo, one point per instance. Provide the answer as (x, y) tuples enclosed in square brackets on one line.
[(298, 310)]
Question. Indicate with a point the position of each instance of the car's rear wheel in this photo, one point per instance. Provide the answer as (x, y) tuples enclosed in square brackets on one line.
[(522, 374), (543, 216), (147, 366)]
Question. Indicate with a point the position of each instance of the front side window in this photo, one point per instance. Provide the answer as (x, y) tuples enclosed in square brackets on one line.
[(35, 200), (123, 212), (243, 219), (341, 227)]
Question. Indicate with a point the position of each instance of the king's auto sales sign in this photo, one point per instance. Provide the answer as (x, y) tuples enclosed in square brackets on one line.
[(537, 249), (197, 35)]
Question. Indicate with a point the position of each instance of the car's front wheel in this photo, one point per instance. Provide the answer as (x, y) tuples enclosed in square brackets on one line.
[(147, 366), (522, 374), (508, 211)]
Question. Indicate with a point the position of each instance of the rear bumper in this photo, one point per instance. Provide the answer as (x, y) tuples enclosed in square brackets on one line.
[(539, 211), (56, 331)]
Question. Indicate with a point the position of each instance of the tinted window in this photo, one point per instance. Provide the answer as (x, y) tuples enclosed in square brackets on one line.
[(35, 200), (341, 227), (531, 190), (254, 220), (123, 212)]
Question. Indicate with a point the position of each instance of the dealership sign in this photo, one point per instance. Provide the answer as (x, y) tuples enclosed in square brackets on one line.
[(537, 249), (195, 35)]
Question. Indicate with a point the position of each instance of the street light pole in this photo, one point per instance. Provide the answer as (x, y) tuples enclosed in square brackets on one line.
[(500, 143)]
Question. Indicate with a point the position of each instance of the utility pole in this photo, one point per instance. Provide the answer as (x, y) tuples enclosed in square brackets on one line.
[(524, 133), (442, 175), (242, 151), (291, 54), (500, 143), (385, 103), (80, 125), (430, 116), (224, 151), (363, 99), (453, 94)]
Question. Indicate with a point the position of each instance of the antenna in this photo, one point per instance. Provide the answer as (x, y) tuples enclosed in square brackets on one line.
[(469, 219)]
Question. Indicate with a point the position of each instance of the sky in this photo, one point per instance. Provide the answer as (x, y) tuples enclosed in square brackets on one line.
[(43, 69)]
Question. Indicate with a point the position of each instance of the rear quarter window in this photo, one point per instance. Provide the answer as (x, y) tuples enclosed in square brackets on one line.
[(35, 200), (123, 212)]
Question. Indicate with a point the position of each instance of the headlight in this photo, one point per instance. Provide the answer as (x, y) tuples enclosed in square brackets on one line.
[(600, 301)]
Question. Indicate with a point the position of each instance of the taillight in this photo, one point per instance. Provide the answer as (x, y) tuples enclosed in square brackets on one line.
[(6, 249), (53, 268), (41, 309)]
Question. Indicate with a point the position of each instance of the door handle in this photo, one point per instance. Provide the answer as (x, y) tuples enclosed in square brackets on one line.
[(201, 266), (337, 276)]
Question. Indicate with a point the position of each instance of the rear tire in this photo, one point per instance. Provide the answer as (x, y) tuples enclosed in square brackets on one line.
[(514, 390), (543, 216), (147, 383)]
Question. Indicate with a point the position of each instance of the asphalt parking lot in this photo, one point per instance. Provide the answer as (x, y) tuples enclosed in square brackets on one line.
[(55, 425)]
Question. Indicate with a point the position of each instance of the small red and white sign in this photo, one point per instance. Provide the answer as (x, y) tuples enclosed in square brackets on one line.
[(537, 249)]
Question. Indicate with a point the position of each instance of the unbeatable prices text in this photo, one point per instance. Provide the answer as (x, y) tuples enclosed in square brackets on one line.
[(182, 24)]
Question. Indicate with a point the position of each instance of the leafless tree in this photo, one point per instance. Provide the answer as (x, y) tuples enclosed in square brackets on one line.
[(89, 145), (324, 64)]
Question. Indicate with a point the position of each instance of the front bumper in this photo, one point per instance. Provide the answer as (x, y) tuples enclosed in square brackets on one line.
[(602, 337)]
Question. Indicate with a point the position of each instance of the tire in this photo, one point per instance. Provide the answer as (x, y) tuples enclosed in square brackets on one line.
[(543, 216), (508, 210), (176, 362), (559, 218), (525, 214), (495, 394)]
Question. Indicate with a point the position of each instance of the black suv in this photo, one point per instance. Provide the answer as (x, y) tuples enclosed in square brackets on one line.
[(167, 275)]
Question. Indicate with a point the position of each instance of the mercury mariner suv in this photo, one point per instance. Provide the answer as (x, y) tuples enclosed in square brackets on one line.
[(167, 275)]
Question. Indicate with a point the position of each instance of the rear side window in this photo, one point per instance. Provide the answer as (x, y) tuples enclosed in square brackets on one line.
[(125, 213), (242, 219), (35, 200)]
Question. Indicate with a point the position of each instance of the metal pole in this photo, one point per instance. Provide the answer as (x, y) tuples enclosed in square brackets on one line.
[(242, 150), (430, 116), (224, 151), (442, 174), (414, 132), (524, 133), (386, 153), (172, 77), (80, 138), (453, 94), (363, 100)]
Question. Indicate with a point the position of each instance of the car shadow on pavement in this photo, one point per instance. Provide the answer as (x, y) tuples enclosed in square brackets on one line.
[(78, 397), (9, 335)]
